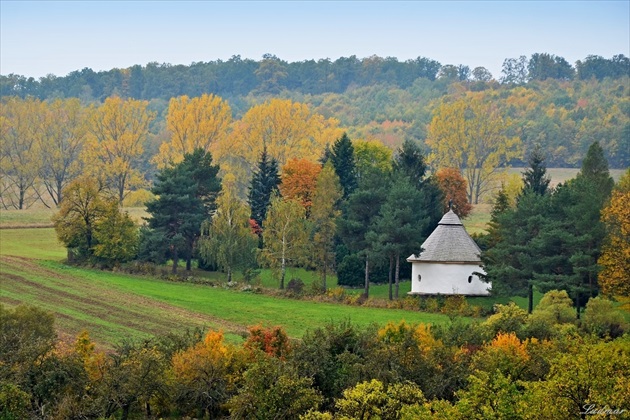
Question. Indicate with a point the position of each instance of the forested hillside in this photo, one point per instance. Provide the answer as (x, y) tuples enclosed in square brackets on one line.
[(562, 107)]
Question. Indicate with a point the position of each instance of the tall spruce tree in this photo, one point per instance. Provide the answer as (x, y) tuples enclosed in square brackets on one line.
[(515, 256), (535, 177), (398, 229), (409, 161), (186, 195), (264, 184), (342, 157), (512, 259), (359, 213)]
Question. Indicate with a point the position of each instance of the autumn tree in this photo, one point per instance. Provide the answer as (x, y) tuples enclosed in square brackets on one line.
[(371, 154), (62, 134), (299, 177), (194, 123), (117, 132), (614, 278), (273, 389), (454, 188), (283, 128), (201, 375), (324, 214), (285, 236), (92, 226), (471, 135), (19, 156), (226, 238)]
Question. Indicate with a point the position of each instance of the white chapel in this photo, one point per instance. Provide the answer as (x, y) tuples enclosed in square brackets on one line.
[(448, 262)]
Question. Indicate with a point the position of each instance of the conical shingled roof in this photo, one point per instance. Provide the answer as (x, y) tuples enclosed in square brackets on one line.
[(449, 242)]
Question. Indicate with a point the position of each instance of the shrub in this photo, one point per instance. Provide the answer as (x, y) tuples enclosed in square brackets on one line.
[(295, 286), (508, 318), (556, 307), (602, 319), (350, 271), (455, 305), (431, 304), (336, 293)]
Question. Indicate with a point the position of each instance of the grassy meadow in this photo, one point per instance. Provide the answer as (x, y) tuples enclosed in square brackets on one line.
[(113, 305)]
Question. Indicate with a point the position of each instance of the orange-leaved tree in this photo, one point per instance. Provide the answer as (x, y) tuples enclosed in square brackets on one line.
[(454, 187), (299, 177)]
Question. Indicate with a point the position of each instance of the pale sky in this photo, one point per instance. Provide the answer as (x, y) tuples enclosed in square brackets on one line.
[(56, 37)]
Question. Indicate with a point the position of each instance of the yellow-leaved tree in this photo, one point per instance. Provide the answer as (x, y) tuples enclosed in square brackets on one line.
[(193, 123), (285, 128), (472, 135), (614, 279), (61, 136), (19, 155), (112, 154)]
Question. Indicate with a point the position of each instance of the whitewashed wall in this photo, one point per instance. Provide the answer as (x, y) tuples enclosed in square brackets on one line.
[(447, 279)]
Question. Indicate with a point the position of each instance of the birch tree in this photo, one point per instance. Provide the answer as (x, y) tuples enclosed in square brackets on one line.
[(227, 238), (285, 235)]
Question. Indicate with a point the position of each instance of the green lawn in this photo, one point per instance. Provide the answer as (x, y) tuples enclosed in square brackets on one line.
[(36, 243)]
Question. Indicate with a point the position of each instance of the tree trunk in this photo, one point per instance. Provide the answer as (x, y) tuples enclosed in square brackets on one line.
[(397, 274), (229, 274), (391, 269), (125, 412), (577, 304), (283, 264), (188, 263), (324, 275), (530, 298), (366, 293), (175, 259)]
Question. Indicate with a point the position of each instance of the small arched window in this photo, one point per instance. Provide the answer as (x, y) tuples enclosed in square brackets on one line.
[(419, 277), (469, 279)]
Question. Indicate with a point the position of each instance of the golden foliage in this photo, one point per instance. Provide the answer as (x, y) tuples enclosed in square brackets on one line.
[(286, 129), (117, 131), (471, 134), (20, 158), (193, 123), (614, 279)]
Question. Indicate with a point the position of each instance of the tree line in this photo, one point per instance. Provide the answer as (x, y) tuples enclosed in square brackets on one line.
[(271, 75), (543, 365)]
